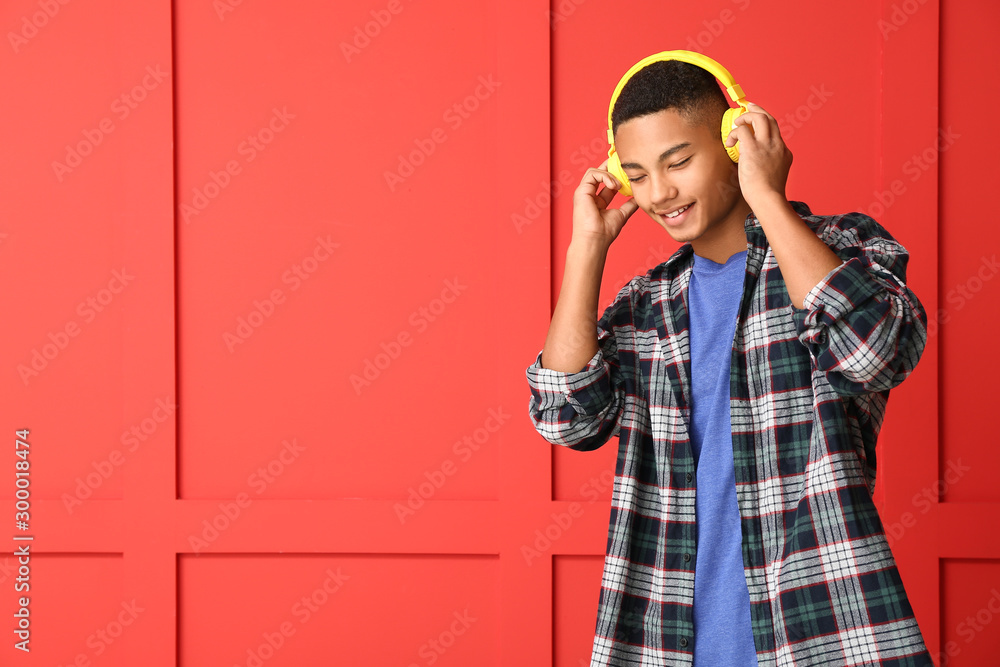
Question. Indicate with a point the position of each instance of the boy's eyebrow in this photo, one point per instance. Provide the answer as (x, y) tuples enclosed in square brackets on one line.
[(663, 156)]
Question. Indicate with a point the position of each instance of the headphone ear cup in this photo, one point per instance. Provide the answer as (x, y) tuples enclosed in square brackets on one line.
[(727, 126), (615, 168)]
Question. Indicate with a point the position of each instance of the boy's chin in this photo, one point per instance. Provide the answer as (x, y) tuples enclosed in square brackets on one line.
[(678, 234)]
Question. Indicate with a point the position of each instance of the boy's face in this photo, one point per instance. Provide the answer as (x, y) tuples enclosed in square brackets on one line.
[(699, 174)]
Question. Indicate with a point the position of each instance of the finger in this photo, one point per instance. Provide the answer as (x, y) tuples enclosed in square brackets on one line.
[(604, 176), (734, 134), (629, 207), (592, 179), (745, 118), (763, 123), (740, 121), (610, 181), (759, 125), (759, 109), (606, 195), (773, 129)]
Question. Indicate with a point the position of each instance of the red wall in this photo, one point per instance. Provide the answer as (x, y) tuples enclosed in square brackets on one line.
[(275, 281)]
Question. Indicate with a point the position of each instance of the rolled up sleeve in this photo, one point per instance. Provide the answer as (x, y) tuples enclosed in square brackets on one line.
[(863, 326), (581, 410)]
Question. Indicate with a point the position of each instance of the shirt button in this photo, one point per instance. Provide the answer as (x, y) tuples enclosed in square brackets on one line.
[(687, 558), (684, 641), (688, 477)]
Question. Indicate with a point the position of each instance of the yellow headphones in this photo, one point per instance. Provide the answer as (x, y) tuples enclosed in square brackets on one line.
[(732, 89)]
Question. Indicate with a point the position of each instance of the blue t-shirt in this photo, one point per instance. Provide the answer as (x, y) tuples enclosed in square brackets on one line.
[(722, 631)]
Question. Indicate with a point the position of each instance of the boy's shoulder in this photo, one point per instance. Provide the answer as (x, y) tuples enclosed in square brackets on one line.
[(843, 230)]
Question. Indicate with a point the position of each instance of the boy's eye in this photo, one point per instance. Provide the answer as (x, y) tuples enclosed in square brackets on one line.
[(639, 178)]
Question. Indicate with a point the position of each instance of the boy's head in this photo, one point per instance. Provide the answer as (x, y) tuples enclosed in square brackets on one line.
[(675, 105), (672, 84)]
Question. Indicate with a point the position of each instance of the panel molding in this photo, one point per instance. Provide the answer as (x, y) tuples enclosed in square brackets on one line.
[(910, 62)]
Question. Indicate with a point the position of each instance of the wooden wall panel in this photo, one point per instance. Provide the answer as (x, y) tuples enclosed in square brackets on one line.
[(277, 273)]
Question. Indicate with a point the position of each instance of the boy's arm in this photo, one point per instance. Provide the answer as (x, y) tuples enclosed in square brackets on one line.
[(863, 326), (577, 398)]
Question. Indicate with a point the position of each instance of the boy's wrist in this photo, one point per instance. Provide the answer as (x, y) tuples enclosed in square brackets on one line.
[(588, 246)]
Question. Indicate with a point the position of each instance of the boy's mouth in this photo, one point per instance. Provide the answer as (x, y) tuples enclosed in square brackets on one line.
[(677, 216)]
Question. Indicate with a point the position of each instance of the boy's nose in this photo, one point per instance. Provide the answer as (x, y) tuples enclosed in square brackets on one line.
[(661, 191)]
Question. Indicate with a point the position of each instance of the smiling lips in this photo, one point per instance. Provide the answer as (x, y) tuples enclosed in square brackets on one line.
[(676, 215), (677, 212)]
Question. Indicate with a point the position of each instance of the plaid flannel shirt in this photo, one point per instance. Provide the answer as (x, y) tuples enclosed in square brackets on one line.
[(808, 393)]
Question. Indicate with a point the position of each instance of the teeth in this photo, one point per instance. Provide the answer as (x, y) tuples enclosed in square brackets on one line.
[(678, 212)]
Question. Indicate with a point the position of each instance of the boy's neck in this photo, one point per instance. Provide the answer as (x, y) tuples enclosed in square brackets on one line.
[(725, 239)]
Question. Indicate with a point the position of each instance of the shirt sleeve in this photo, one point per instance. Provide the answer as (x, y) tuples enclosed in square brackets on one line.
[(582, 410), (863, 326)]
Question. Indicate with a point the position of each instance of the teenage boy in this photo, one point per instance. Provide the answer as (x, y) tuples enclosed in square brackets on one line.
[(747, 379)]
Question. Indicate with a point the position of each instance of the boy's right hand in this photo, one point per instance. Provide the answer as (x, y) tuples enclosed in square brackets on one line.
[(592, 219)]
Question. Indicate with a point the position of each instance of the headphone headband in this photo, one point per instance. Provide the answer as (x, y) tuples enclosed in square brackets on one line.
[(733, 89)]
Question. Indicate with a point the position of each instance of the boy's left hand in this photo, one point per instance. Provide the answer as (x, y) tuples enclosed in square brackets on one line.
[(764, 158)]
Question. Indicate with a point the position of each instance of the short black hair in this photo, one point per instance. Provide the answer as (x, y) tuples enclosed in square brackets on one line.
[(672, 84)]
